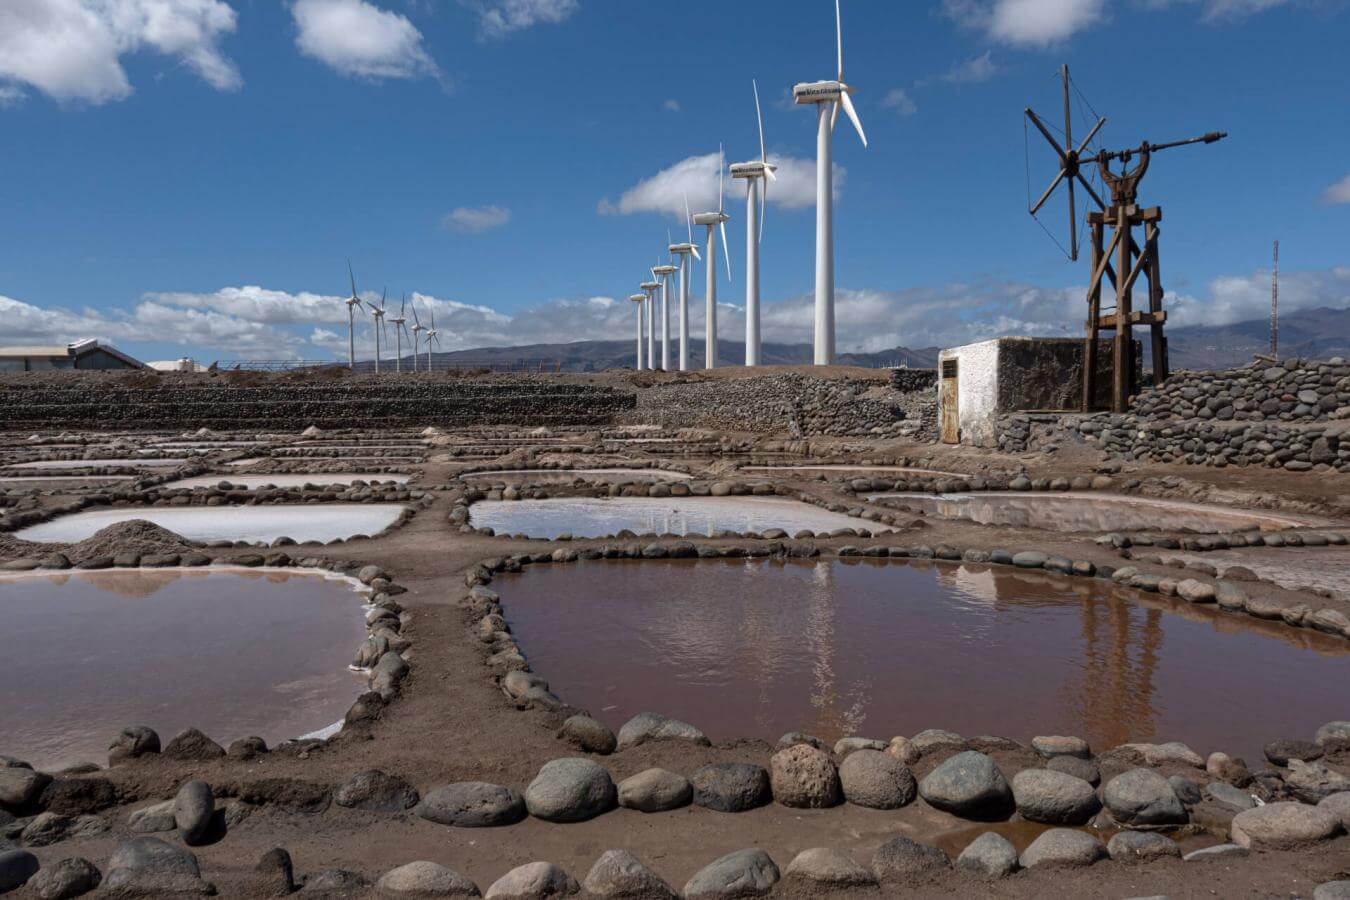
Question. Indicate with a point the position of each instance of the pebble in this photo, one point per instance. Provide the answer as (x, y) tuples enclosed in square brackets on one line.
[(991, 855), (1050, 746), (193, 807), (731, 787), (655, 790), (376, 791), (1142, 797), (588, 735), (1332, 890), (826, 868), (1278, 825), (1064, 847), (1054, 798), (618, 873), (425, 879), (16, 868), (1085, 769), (1338, 805), (649, 726), (472, 804), (1141, 846), (876, 780), (969, 785), (901, 860), (743, 873), (70, 877), (570, 790)]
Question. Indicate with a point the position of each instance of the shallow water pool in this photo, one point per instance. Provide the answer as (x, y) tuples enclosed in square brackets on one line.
[(137, 463), (755, 649), (253, 482), (300, 522), (567, 476), (233, 653)]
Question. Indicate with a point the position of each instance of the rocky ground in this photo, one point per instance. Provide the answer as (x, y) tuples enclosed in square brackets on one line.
[(924, 815)]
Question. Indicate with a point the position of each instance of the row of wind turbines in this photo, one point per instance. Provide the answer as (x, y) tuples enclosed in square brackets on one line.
[(417, 334), (829, 97)]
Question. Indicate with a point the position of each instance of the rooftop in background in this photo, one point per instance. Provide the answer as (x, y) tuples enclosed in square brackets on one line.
[(82, 354)]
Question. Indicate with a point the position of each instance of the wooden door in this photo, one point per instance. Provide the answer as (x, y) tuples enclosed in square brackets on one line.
[(951, 410)]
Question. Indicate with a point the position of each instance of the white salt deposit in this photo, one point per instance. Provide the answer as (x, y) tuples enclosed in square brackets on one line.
[(306, 522)]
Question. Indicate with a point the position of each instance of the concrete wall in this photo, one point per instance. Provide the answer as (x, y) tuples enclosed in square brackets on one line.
[(977, 391)]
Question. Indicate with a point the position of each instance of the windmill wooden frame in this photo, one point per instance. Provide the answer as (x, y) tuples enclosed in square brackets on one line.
[(1120, 262)]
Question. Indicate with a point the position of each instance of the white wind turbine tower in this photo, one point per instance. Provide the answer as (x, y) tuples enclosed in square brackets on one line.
[(377, 322), (713, 221), (432, 335), (682, 252), (650, 288), (400, 325), (828, 96), (638, 301), (662, 274), (756, 200), (352, 303), (417, 329)]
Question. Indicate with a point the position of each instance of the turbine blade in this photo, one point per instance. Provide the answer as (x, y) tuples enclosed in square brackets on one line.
[(763, 208), (763, 154), (853, 115), (721, 166), (384, 298), (834, 116), (695, 252), (353, 276), (688, 219), (403, 307), (726, 249), (417, 321), (839, 38)]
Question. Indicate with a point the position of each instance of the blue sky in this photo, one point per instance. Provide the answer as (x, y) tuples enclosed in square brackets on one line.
[(190, 176)]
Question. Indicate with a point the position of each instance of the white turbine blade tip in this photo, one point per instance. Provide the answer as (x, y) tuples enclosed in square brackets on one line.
[(853, 116)]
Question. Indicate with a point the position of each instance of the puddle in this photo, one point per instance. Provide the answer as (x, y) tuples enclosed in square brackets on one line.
[(567, 476), (1289, 567), (300, 522), (232, 653), (587, 517), (885, 470), (63, 479), (1075, 511), (138, 463), (253, 482), (757, 648)]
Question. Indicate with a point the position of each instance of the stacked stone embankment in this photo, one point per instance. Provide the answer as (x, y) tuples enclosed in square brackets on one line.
[(791, 403), (1281, 416), (347, 404)]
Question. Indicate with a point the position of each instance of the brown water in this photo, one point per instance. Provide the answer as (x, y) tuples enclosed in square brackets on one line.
[(233, 653), (1068, 512), (759, 648)]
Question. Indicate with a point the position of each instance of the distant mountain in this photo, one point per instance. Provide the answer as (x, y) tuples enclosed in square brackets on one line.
[(1306, 333)]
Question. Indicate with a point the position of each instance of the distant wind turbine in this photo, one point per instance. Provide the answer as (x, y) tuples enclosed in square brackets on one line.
[(650, 288), (756, 200), (828, 96), (352, 303), (417, 330), (683, 251), (400, 325), (662, 273), (713, 221), (432, 335), (377, 312), (638, 301)]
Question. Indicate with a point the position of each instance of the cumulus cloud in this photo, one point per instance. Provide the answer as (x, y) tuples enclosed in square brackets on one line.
[(499, 18), (671, 105), (696, 177), (71, 50), (972, 71), (359, 39), (476, 219), (1026, 23), (1222, 10), (1338, 192), (899, 100)]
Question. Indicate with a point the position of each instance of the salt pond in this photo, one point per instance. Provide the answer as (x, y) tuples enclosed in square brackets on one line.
[(829, 467), (234, 653), (136, 463), (253, 482), (589, 517), (1083, 511), (300, 522), (567, 476), (760, 648)]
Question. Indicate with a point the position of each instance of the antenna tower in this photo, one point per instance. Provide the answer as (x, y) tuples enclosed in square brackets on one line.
[(1275, 304)]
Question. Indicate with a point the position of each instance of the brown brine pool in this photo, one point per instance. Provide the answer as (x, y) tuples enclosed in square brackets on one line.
[(233, 653), (760, 648)]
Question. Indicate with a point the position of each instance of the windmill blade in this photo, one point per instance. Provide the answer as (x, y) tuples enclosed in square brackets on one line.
[(416, 321), (763, 207), (763, 154), (721, 167), (433, 318), (834, 116), (839, 38), (1048, 191), (384, 299), (1073, 224), (353, 277), (403, 306), (688, 218), (847, 103), (726, 248)]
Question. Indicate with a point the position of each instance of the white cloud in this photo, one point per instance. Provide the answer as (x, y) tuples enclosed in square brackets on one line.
[(900, 101), (499, 18), (696, 177), (671, 105), (1222, 10), (972, 71), (359, 39), (475, 220), (1338, 192), (71, 50), (1027, 23)]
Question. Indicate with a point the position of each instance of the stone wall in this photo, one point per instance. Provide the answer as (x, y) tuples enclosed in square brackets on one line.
[(356, 403), (909, 380), (1294, 391)]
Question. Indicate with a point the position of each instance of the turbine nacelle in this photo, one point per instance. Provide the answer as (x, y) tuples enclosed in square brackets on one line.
[(679, 249), (637, 298), (662, 271), (650, 286), (754, 169), (820, 91), (710, 218)]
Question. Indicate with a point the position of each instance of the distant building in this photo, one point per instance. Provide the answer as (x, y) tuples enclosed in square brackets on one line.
[(86, 354), (185, 364)]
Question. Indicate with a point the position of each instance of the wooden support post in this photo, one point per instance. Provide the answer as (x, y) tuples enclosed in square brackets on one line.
[(1094, 312), (1155, 302), (1122, 355)]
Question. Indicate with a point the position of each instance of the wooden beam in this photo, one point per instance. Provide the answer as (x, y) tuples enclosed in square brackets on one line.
[(1136, 317)]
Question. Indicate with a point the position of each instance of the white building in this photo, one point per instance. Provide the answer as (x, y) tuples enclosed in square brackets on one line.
[(84, 354)]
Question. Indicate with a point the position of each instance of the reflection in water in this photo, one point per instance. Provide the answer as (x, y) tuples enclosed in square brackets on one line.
[(89, 653), (587, 517), (758, 648), (1066, 512)]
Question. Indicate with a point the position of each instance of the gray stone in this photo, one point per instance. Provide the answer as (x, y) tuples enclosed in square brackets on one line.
[(618, 873), (934, 740), (1332, 890), (655, 790), (20, 787), (969, 785), (1050, 746), (1053, 798), (1162, 754), (425, 879), (472, 804), (827, 869), (132, 742), (150, 865), (793, 738), (744, 873), (731, 787), (193, 746), (1085, 769), (1333, 735), (1311, 781), (844, 746), (193, 807), (648, 726), (153, 819), (1188, 792), (1063, 847), (16, 867), (335, 881), (903, 749), (990, 855), (588, 735), (70, 877), (1029, 559), (570, 790), (274, 874), (1218, 851), (1143, 798), (901, 860), (1234, 798), (1282, 751), (1339, 806), (1193, 591), (375, 791), (803, 777), (876, 780), (1281, 825), (1141, 846)]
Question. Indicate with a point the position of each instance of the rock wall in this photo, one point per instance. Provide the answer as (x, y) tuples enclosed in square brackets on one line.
[(368, 403), (908, 380), (1296, 390)]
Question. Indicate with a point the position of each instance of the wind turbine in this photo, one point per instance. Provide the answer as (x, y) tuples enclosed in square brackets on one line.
[(650, 288), (828, 96), (432, 335), (377, 312), (662, 274), (638, 300), (683, 251), (713, 221), (756, 200), (417, 329), (400, 325), (352, 303)]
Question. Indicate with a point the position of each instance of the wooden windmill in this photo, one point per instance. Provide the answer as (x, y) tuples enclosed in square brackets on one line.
[(1120, 262)]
